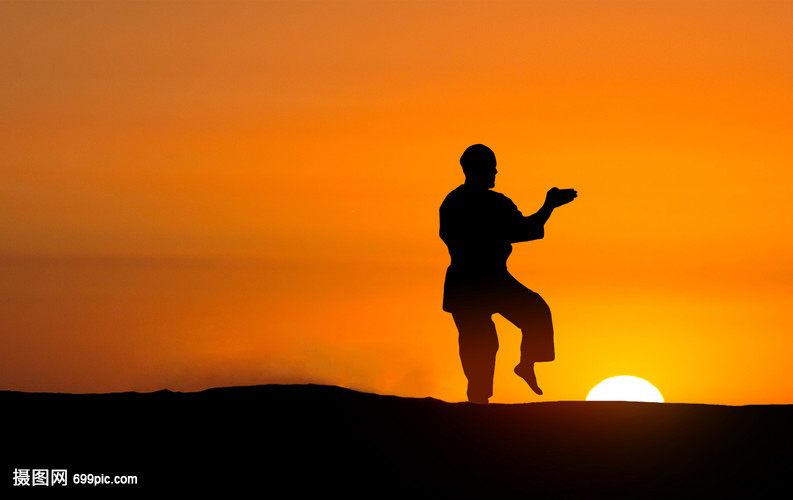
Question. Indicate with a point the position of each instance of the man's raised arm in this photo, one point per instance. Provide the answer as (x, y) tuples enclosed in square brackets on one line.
[(532, 227)]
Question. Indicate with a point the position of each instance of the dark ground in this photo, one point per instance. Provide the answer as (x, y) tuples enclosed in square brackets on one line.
[(306, 441)]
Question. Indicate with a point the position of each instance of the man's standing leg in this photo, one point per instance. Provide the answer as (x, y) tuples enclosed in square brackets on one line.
[(529, 312), (478, 347)]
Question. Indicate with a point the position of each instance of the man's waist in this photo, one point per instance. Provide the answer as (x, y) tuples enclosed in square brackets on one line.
[(478, 268)]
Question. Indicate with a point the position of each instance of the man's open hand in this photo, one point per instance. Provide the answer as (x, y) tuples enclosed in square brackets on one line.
[(557, 197)]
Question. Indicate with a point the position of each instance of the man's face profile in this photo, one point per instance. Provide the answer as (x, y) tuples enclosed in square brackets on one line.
[(479, 166)]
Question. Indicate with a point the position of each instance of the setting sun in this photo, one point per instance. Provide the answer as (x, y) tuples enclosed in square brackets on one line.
[(625, 388)]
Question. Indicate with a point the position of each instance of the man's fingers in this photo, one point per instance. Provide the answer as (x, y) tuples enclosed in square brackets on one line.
[(561, 196), (570, 193)]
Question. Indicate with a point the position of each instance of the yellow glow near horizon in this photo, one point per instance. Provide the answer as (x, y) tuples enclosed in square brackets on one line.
[(625, 388)]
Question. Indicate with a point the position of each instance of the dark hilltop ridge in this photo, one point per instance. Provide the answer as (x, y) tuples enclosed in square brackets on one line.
[(295, 441)]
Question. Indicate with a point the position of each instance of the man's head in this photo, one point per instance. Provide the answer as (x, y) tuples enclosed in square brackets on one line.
[(479, 166)]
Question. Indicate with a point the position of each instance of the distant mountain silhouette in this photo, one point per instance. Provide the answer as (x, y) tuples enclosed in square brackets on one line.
[(294, 441)]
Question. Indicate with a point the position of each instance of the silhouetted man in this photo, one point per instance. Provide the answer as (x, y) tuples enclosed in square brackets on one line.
[(479, 226)]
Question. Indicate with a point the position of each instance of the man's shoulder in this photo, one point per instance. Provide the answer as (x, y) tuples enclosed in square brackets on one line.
[(461, 195), (501, 201), (499, 196), (456, 194)]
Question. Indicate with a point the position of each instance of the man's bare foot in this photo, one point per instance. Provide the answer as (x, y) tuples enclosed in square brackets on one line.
[(526, 372)]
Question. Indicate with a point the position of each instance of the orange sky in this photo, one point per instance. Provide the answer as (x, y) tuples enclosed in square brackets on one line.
[(195, 194)]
